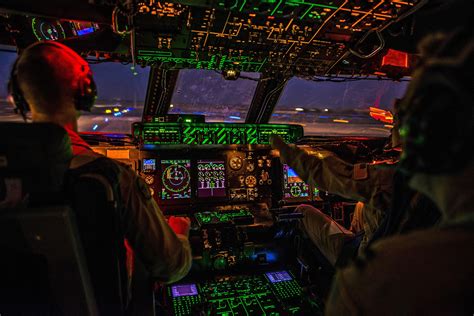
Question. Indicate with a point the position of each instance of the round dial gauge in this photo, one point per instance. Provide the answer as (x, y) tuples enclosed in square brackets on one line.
[(149, 179), (250, 166), (251, 181), (295, 191), (235, 163)]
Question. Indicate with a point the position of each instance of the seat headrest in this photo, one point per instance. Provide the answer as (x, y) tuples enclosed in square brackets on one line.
[(36, 154)]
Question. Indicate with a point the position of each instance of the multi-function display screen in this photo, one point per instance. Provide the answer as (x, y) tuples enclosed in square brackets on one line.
[(184, 290), (278, 276), (293, 186), (176, 179), (211, 178), (149, 165)]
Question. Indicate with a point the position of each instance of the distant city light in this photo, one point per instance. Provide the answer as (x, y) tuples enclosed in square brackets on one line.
[(340, 121), (95, 127), (326, 110), (234, 117), (116, 109), (299, 109), (171, 105), (106, 119), (118, 114), (108, 111)]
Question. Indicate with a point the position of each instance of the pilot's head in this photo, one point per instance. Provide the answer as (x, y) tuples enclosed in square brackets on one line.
[(437, 121), (53, 82)]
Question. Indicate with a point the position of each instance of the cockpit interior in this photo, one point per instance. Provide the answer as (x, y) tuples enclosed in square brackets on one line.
[(189, 94)]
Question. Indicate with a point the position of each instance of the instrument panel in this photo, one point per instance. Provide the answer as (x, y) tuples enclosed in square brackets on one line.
[(198, 176)]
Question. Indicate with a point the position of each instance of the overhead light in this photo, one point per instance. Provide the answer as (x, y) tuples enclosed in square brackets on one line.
[(299, 109)]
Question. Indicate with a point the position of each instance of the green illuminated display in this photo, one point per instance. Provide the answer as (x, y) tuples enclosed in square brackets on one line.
[(248, 295), (239, 217), (214, 133), (221, 62)]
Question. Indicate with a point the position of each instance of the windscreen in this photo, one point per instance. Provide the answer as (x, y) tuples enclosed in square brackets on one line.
[(337, 107), (121, 95), (207, 92), (7, 58), (121, 92)]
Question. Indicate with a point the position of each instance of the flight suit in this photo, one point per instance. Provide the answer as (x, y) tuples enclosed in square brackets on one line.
[(370, 184), (166, 255)]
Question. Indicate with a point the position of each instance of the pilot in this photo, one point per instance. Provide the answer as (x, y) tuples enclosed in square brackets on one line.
[(370, 184), (430, 271), (54, 83)]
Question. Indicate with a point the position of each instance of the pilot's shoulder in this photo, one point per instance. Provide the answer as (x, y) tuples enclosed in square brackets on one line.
[(415, 256)]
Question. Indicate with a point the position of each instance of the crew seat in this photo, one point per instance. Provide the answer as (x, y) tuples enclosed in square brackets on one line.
[(62, 251)]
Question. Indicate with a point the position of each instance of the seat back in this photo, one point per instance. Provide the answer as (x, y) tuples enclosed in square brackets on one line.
[(38, 230), (94, 197), (43, 266)]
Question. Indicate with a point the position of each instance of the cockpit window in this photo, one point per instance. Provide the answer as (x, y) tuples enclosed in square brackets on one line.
[(207, 92), (121, 95), (7, 58), (330, 108)]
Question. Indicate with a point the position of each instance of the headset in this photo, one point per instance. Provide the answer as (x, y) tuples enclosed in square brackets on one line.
[(437, 112), (85, 95)]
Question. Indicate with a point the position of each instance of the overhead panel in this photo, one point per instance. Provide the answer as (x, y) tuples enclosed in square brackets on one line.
[(292, 37)]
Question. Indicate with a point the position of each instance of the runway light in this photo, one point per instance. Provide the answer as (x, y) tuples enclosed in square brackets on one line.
[(299, 109)]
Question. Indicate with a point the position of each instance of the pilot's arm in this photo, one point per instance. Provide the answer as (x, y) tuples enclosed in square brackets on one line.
[(367, 183), (165, 253)]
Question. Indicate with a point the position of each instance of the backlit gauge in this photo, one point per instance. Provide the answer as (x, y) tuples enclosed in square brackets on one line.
[(235, 163), (251, 181), (250, 166), (295, 191), (46, 30), (149, 179)]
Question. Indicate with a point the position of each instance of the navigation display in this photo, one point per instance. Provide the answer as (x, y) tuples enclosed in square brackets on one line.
[(211, 178), (176, 179), (293, 186)]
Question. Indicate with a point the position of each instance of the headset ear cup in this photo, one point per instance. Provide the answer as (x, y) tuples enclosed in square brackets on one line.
[(86, 94), (14, 90)]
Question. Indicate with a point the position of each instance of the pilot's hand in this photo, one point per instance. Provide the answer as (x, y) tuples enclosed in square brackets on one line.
[(280, 147), (180, 225), (277, 142)]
